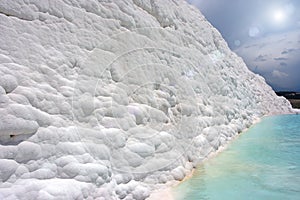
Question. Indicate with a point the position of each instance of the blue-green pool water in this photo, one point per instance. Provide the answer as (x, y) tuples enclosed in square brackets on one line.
[(263, 163)]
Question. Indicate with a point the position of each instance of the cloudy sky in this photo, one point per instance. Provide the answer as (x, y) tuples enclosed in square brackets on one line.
[(265, 33)]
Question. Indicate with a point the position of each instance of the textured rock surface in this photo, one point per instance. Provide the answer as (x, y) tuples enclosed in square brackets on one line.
[(109, 99)]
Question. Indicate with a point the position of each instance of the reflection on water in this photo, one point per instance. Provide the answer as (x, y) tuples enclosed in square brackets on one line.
[(263, 163)]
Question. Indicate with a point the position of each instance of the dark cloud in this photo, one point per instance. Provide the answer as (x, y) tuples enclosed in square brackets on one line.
[(278, 69), (291, 50), (288, 51), (249, 46), (283, 64), (262, 45), (280, 58), (261, 58)]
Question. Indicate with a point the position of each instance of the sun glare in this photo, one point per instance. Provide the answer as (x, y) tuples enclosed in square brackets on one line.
[(279, 16)]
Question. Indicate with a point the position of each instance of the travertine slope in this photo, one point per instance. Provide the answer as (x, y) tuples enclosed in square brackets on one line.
[(109, 99)]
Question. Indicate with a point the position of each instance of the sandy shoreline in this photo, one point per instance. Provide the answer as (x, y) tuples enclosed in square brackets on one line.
[(166, 193)]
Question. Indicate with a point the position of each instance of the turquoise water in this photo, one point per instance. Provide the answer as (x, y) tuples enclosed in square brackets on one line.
[(263, 163)]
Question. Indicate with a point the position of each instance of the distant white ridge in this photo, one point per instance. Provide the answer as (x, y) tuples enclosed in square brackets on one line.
[(112, 99)]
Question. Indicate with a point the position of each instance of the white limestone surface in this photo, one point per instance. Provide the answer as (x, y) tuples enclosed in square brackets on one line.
[(112, 99)]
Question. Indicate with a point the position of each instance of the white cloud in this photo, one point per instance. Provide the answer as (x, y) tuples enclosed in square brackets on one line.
[(278, 74)]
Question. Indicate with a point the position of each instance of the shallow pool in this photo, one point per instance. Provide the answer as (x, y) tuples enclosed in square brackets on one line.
[(263, 163)]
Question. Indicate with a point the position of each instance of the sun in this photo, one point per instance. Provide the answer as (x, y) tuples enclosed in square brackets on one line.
[(279, 16)]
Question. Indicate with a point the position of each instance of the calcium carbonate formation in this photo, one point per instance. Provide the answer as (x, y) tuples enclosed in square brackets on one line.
[(111, 99)]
